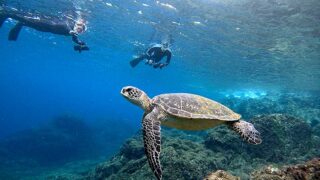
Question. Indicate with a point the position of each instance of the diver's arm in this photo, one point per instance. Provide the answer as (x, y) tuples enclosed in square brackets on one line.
[(161, 65), (77, 41), (151, 50), (169, 54), (81, 45)]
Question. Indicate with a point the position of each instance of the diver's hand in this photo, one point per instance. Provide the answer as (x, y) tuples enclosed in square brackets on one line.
[(156, 65), (159, 65), (81, 48), (149, 62), (163, 65), (82, 43)]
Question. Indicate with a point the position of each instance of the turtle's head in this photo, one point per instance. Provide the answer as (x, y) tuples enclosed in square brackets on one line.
[(136, 96)]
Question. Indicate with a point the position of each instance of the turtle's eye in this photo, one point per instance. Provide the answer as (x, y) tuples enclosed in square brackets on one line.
[(123, 91)]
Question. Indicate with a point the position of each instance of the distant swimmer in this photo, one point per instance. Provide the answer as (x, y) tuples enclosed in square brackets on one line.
[(56, 25), (153, 56)]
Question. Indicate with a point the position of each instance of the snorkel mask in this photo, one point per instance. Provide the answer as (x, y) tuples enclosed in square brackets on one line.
[(164, 46), (80, 26)]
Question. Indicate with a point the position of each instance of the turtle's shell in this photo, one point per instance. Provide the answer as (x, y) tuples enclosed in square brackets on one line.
[(191, 106)]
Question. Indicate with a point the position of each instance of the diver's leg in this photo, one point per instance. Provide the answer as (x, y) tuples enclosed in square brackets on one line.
[(137, 60), (14, 32), (3, 16), (2, 19), (156, 62)]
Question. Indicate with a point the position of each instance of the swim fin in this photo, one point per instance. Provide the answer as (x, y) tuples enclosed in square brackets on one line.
[(136, 61), (81, 48), (14, 32)]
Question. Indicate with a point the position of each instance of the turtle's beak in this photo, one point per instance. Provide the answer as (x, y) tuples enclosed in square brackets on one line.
[(124, 92)]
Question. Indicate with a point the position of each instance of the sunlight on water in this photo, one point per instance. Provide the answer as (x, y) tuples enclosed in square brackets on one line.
[(246, 94)]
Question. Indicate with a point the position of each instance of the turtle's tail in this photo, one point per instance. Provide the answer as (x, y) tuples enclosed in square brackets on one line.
[(247, 131)]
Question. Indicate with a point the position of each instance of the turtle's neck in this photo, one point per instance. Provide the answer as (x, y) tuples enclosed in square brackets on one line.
[(146, 104)]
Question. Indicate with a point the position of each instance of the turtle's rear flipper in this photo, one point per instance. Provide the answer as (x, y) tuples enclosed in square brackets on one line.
[(14, 32), (247, 131)]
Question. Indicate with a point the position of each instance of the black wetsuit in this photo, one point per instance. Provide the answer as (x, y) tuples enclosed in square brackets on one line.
[(52, 24), (155, 54)]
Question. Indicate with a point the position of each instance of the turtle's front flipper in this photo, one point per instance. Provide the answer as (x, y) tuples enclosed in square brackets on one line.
[(247, 131), (152, 141)]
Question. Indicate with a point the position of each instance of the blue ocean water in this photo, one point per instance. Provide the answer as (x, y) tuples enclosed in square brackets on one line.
[(245, 49)]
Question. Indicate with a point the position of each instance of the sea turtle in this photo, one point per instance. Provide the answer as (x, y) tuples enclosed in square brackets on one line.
[(182, 111)]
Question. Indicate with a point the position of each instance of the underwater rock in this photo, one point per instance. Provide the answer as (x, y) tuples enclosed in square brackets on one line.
[(284, 138), (221, 175), (64, 139), (316, 130), (305, 106), (181, 159), (132, 149), (63, 177), (249, 107), (307, 171), (109, 134), (223, 139), (61, 142), (124, 160)]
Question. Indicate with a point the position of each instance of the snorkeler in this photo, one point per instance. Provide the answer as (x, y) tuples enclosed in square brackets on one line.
[(45, 23), (154, 55)]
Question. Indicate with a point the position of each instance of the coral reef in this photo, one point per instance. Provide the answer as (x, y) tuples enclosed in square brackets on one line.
[(316, 130), (64, 139), (286, 139), (185, 155), (181, 159), (37, 153), (221, 175), (302, 106), (307, 171)]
